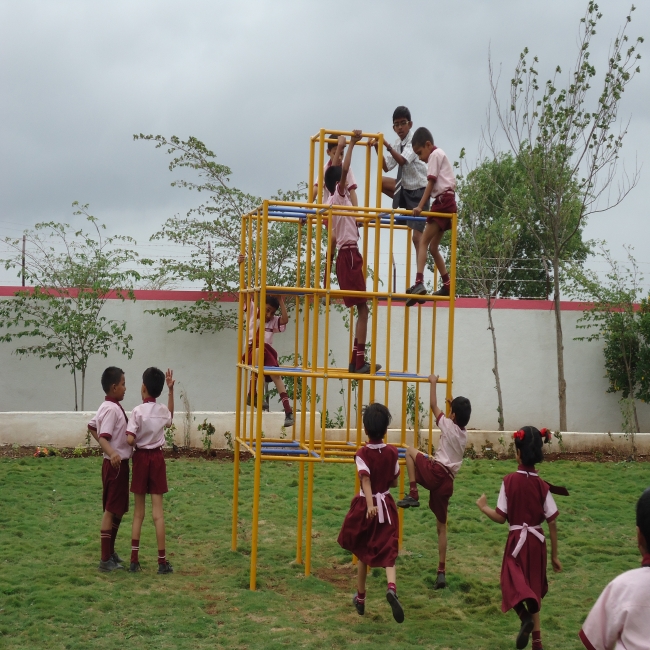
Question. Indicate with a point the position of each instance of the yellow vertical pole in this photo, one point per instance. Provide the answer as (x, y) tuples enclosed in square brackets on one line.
[(434, 324), (301, 505), (310, 188), (416, 409), (349, 404), (452, 302), (328, 275), (375, 305), (321, 165), (296, 336), (366, 192), (405, 351), (389, 303)]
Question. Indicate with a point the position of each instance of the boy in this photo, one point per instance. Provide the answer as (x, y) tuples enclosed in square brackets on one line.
[(407, 190), (108, 427), (437, 475), (336, 159), (272, 324), (349, 263), (441, 184), (619, 619), (147, 429)]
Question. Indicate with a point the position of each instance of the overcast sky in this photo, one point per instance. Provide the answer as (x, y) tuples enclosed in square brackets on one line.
[(253, 80)]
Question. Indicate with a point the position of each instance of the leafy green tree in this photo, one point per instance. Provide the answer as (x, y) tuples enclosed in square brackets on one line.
[(70, 274), (564, 136)]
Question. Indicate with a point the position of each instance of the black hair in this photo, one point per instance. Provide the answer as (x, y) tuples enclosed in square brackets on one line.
[(530, 446), (111, 376), (462, 408), (376, 418), (331, 145), (273, 301), (401, 113), (421, 136), (154, 381), (643, 516), (332, 177)]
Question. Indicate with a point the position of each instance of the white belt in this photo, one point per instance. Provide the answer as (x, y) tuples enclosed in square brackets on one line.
[(381, 505), (524, 535)]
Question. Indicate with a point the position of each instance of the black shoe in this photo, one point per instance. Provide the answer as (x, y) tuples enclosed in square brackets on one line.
[(288, 420), (352, 367), (165, 568), (524, 631), (443, 291), (417, 289), (135, 567), (441, 581), (116, 558), (109, 565), (365, 369), (395, 605), (360, 606), (265, 405), (408, 502)]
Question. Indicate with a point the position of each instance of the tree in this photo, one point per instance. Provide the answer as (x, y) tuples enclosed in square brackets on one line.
[(72, 274), (564, 138), (622, 322), (211, 232)]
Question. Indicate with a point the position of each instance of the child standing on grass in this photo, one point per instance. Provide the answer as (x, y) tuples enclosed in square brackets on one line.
[(108, 428), (525, 501), (371, 527), (146, 431), (437, 474), (349, 263)]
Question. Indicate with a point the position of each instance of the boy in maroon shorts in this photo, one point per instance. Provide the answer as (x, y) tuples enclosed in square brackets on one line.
[(108, 427), (349, 263), (146, 432), (437, 475), (441, 184)]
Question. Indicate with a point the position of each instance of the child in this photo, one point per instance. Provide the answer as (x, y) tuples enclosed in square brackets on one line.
[(108, 427), (371, 527), (438, 475), (408, 189), (147, 429), (441, 185), (272, 324), (335, 154), (619, 619), (349, 263), (525, 501)]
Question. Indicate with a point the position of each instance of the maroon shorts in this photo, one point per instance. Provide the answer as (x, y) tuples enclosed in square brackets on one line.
[(349, 272), (149, 473), (270, 358), (115, 484), (445, 203), (436, 478)]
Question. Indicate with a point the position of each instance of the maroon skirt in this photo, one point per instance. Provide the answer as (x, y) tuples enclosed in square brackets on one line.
[(349, 273), (270, 358), (373, 543), (523, 577), (445, 203)]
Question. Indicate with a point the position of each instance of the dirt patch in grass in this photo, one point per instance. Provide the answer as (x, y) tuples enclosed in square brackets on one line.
[(339, 576)]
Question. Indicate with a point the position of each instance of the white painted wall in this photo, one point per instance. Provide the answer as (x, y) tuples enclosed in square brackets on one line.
[(204, 367)]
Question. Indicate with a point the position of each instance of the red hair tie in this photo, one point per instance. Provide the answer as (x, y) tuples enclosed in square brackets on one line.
[(519, 435), (546, 435)]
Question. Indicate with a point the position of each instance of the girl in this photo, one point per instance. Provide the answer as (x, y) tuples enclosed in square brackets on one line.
[(525, 501), (370, 529)]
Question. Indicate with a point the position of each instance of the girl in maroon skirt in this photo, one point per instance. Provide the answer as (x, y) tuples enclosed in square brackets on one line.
[(370, 529), (525, 501)]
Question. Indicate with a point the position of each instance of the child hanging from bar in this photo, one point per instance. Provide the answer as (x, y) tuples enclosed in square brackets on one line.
[(272, 324), (336, 154), (371, 527), (525, 501), (349, 263), (437, 474)]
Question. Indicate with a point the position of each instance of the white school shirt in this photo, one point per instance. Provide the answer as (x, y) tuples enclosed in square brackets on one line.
[(344, 229), (620, 619), (352, 182), (414, 173), (270, 327), (110, 423), (439, 167), (147, 424), (452, 444)]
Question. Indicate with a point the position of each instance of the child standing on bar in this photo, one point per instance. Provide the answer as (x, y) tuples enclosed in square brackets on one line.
[(525, 501), (371, 527), (349, 263)]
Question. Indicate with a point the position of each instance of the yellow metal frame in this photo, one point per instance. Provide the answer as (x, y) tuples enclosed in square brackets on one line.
[(309, 220)]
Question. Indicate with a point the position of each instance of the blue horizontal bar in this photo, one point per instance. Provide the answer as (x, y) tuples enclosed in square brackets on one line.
[(285, 452), (382, 373), (278, 444)]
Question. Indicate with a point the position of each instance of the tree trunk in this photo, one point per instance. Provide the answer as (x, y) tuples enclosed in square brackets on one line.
[(561, 382), (83, 387), (495, 370), (74, 379)]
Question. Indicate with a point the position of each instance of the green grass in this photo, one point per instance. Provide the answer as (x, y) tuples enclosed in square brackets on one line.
[(52, 596)]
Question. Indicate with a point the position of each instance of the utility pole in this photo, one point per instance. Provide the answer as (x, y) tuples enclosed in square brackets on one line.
[(23, 265)]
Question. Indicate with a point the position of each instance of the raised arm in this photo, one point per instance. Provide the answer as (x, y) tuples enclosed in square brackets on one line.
[(284, 316), (490, 513), (384, 165), (348, 156), (433, 380), (169, 378)]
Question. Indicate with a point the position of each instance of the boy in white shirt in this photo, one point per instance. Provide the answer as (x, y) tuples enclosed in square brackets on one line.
[(146, 431), (438, 475)]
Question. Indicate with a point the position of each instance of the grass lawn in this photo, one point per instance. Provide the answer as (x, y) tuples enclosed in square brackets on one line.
[(52, 596)]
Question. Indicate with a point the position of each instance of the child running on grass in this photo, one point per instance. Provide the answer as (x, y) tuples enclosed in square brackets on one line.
[(108, 427), (619, 619), (146, 431), (525, 501), (437, 474), (371, 527)]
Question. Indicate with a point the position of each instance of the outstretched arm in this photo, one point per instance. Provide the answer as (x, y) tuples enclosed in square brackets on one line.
[(433, 380), (348, 156), (169, 378), (425, 197), (490, 513)]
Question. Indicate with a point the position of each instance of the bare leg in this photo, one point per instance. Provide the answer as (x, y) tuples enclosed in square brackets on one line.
[(388, 186), (442, 542), (410, 455), (158, 518), (361, 329), (537, 625), (435, 252), (432, 235), (279, 384), (362, 571), (107, 520), (138, 516), (391, 574)]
